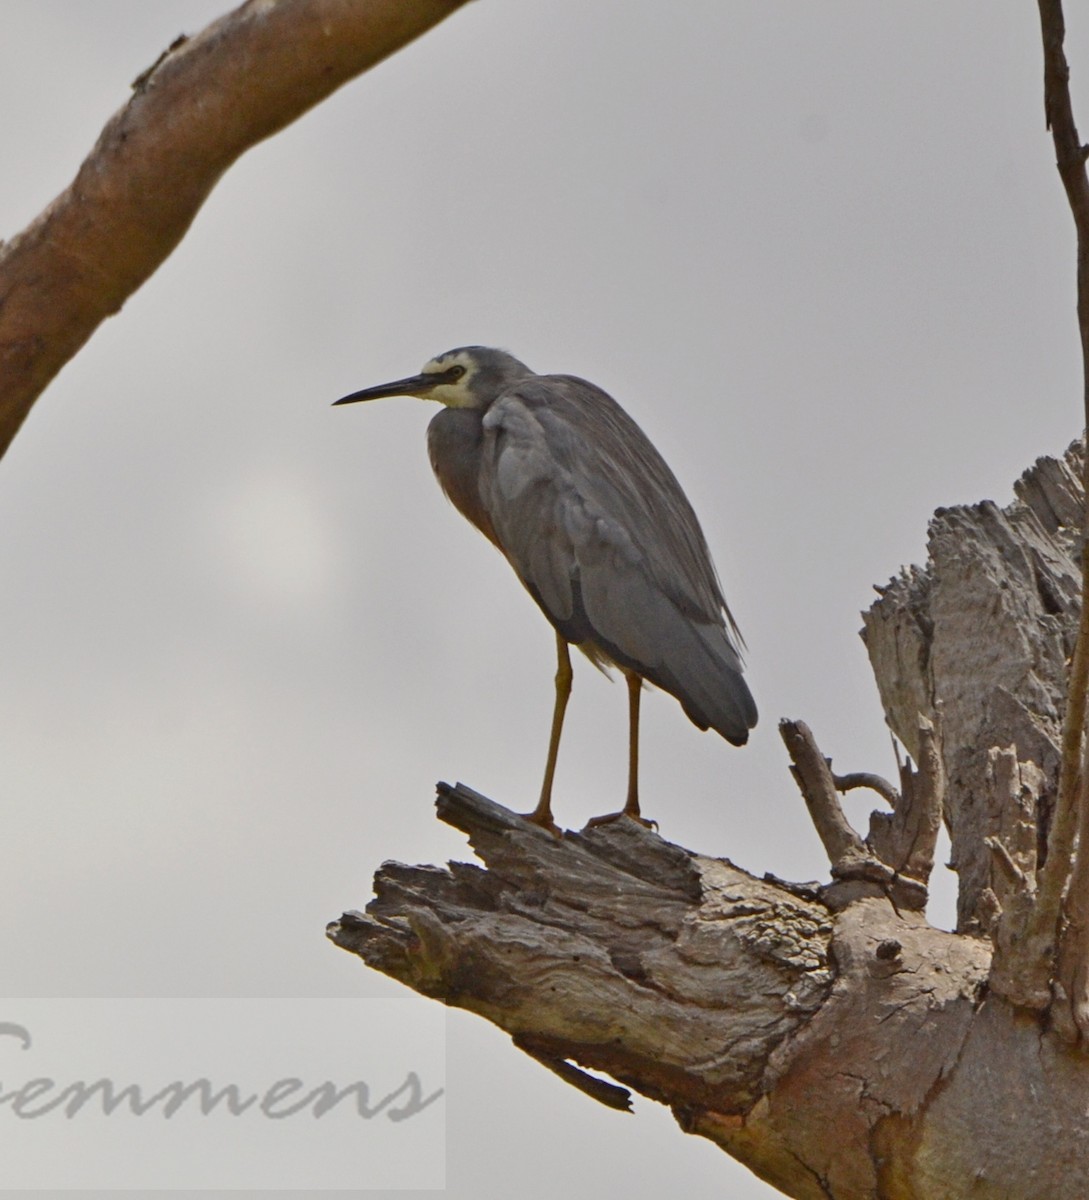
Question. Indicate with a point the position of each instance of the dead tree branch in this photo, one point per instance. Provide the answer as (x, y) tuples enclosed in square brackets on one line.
[(906, 838), (204, 103), (984, 633), (813, 774), (896, 858), (867, 779), (837, 1053)]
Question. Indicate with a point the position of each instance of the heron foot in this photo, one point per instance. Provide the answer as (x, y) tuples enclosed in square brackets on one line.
[(608, 819), (544, 819)]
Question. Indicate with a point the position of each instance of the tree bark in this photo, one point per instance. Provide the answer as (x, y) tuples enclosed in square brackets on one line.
[(835, 1054), (982, 637), (206, 101), (1057, 928), (825, 1035)]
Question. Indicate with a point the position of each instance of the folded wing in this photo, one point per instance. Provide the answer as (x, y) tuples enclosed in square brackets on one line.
[(599, 531)]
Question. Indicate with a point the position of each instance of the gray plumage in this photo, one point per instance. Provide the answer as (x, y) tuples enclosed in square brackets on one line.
[(558, 476)]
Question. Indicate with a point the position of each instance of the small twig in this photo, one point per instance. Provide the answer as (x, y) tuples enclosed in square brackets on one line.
[(906, 838), (857, 868), (813, 775), (926, 804), (867, 779), (609, 1094), (896, 752)]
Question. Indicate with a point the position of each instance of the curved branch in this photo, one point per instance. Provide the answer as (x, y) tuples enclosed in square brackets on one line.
[(896, 858), (867, 779), (204, 103)]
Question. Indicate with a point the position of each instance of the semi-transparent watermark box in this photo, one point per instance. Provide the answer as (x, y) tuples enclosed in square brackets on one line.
[(256, 1094)]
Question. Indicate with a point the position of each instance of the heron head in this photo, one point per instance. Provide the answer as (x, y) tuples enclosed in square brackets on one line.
[(468, 377)]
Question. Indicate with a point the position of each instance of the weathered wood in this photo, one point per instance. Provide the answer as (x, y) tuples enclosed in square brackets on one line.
[(676, 974), (906, 837), (1023, 955), (813, 774), (982, 636), (897, 856), (820, 1048)]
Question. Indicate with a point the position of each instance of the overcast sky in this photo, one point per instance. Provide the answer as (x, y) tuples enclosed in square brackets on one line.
[(819, 252)]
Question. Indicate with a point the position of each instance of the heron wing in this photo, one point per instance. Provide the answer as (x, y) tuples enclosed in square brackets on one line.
[(600, 532)]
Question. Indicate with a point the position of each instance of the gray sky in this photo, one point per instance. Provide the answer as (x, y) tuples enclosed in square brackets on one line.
[(819, 252)]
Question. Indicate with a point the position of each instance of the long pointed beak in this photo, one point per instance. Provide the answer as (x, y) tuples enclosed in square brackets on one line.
[(414, 385)]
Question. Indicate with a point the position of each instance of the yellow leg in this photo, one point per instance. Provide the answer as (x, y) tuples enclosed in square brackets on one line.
[(542, 814), (631, 805), (635, 687)]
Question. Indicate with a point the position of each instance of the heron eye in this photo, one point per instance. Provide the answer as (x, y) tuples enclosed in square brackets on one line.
[(456, 372)]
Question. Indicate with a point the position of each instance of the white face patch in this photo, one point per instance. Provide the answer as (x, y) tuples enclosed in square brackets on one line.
[(456, 394)]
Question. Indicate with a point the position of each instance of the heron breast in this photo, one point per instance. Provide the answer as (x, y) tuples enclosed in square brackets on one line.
[(454, 442)]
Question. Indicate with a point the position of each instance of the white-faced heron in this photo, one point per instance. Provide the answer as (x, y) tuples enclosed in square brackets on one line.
[(558, 476)]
